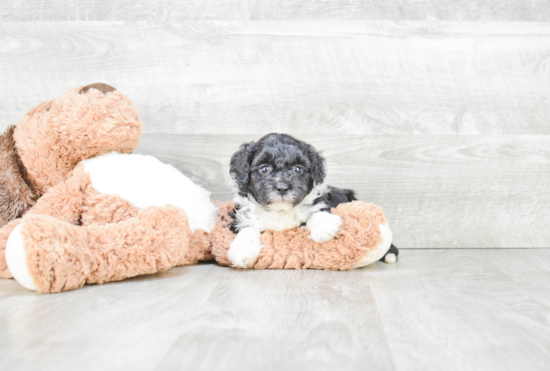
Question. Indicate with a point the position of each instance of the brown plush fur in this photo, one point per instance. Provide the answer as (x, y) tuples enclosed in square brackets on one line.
[(55, 136), (17, 194), (292, 249), (62, 256)]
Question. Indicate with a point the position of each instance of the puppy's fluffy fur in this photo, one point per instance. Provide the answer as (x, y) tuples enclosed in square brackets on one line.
[(280, 183)]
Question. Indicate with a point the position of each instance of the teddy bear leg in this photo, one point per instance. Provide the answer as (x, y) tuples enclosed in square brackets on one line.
[(60, 256)]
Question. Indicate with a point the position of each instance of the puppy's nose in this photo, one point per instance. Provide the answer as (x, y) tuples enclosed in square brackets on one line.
[(282, 188)]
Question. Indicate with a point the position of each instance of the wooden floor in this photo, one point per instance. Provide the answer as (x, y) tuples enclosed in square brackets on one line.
[(434, 310)]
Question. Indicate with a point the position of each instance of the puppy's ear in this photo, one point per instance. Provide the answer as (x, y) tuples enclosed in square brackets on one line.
[(317, 165), (240, 166)]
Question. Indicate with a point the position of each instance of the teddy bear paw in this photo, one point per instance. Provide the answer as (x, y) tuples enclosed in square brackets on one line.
[(16, 259)]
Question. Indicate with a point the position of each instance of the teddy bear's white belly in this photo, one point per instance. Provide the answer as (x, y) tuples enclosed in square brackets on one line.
[(145, 181)]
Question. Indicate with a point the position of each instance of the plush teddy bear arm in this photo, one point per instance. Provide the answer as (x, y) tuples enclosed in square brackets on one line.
[(65, 200)]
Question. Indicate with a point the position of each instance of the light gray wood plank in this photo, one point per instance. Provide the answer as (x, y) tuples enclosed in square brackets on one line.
[(466, 309), (434, 310), (201, 318), (106, 10), (344, 77), (436, 191)]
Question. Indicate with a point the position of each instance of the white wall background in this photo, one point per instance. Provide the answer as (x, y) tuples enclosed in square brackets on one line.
[(439, 111)]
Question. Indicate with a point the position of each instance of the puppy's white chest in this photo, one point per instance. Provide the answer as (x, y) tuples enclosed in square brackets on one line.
[(252, 214), (280, 220), (262, 219)]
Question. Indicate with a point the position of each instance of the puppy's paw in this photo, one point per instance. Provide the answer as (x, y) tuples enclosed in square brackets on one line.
[(390, 258), (245, 248), (323, 226)]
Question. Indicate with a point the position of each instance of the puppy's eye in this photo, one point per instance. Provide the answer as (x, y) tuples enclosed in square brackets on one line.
[(298, 170), (265, 170)]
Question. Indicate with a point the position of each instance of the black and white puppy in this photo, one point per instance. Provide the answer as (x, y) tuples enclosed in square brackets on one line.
[(280, 186)]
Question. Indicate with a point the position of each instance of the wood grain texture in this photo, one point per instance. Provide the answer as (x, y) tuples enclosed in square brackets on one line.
[(434, 310), (466, 310), (107, 10), (201, 318), (344, 77), (436, 191)]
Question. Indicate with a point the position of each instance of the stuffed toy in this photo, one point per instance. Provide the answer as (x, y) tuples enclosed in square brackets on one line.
[(362, 239), (94, 213), (80, 209)]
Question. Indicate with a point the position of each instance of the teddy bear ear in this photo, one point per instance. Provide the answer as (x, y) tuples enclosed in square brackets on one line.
[(104, 88)]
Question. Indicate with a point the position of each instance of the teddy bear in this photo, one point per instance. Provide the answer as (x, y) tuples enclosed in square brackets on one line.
[(78, 208), (96, 213)]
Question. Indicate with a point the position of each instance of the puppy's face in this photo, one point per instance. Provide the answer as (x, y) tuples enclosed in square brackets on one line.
[(278, 170)]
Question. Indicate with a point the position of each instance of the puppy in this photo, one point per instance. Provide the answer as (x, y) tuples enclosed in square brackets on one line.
[(280, 186)]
